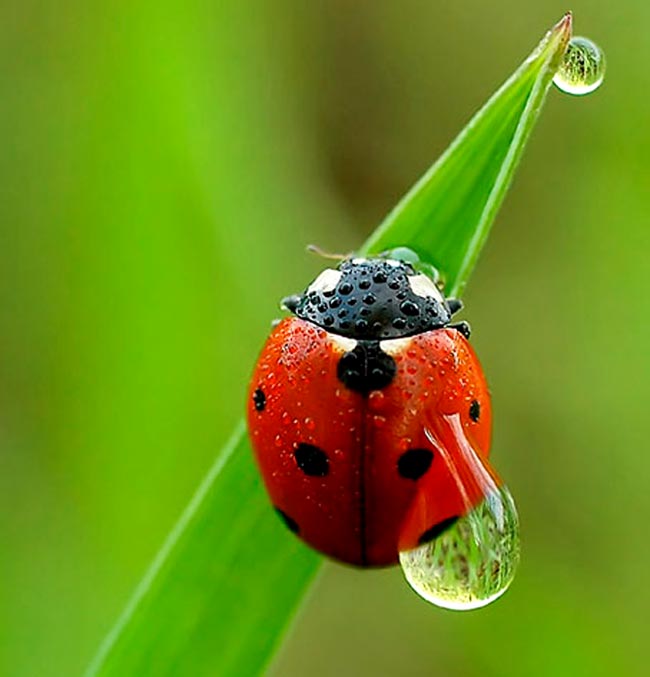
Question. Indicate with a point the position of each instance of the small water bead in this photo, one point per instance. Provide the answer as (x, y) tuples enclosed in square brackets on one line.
[(310, 424), (379, 421), (376, 399), (583, 67), (473, 562)]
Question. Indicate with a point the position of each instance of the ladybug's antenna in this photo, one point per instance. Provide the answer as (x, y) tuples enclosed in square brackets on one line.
[(315, 249)]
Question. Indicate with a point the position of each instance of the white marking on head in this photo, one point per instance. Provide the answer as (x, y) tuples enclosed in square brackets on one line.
[(326, 281), (343, 343), (395, 346), (423, 285)]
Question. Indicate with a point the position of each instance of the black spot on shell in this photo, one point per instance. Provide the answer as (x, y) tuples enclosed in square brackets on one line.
[(366, 368), (365, 284), (312, 460), (291, 524), (369, 299), (475, 410), (412, 464), (345, 288), (259, 399), (399, 323), (436, 530), (379, 277)]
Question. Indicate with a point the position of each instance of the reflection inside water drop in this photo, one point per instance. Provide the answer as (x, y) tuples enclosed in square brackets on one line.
[(583, 67), (473, 556), (473, 561)]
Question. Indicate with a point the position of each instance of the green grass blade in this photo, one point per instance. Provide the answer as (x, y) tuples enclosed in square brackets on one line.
[(223, 588), (447, 215)]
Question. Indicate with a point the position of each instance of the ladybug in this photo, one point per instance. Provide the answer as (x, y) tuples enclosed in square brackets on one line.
[(369, 413)]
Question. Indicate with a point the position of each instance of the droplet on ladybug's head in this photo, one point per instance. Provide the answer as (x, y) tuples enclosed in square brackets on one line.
[(385, 298), (409, 308)]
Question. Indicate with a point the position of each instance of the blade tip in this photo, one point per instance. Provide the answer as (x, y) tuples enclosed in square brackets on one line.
[(565, 24)]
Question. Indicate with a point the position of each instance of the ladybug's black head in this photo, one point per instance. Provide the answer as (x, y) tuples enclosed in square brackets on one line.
[(372, 299)]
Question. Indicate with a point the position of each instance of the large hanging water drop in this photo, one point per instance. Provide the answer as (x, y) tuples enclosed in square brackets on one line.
[(473, 562), (473, 557), (583, 67)]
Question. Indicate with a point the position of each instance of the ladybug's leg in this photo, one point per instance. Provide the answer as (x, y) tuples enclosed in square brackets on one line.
[(290, 302), (462, 327), (454, 305)]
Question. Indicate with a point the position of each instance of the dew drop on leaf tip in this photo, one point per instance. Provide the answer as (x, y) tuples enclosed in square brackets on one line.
[(473, 562), (583, 67)]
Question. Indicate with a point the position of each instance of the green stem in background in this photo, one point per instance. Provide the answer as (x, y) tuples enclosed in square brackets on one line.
[(222, 590)]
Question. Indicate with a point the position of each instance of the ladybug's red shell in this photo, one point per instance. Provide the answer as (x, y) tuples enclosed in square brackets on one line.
[(362, 443)]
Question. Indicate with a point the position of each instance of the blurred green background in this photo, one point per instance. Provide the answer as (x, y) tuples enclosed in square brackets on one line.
[(164, 165)]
